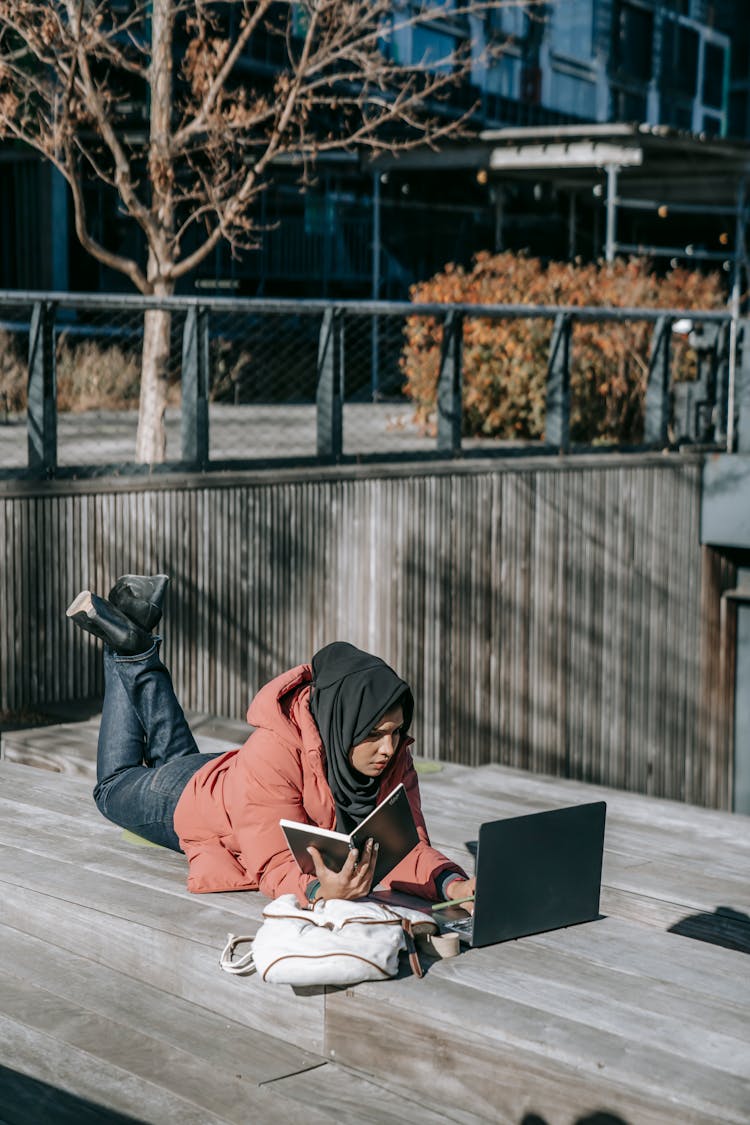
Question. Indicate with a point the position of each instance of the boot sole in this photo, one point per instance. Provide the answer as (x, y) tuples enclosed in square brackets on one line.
[(83, 603)]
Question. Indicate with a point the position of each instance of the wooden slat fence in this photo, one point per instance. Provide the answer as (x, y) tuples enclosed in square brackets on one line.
[(557, 615)]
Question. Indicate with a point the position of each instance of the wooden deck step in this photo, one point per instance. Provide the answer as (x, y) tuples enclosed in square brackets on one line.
[(105, 1037), (651, 1027), (616, 1015), (95, 1037)]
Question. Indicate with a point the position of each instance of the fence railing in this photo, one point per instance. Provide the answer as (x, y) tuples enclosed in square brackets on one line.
[(272, 381)]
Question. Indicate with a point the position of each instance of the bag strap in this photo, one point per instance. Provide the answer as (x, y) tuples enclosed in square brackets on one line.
[(243, 966), (411, 947)]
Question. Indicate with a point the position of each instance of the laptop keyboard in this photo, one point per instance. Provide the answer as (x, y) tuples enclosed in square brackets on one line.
[(462, 926)]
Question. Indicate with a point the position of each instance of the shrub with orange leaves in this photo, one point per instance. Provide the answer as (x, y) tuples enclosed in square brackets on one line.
[(505, 361)]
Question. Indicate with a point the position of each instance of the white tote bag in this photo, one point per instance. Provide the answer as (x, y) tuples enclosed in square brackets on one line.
[(337, 943)]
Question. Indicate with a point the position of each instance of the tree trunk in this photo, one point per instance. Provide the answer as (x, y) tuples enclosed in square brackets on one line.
[(151, 441)]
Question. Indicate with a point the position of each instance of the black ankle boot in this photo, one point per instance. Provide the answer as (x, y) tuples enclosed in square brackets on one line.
[(106, 622), (140, 597)]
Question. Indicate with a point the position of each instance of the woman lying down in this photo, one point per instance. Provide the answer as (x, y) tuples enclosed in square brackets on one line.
[(331, 741)]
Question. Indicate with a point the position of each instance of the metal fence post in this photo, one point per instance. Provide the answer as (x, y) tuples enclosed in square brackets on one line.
[(656, 421), (742, 395), (450, 382), (722, 359), (42, 390), (557, 423), (195, 367), (329, 394)]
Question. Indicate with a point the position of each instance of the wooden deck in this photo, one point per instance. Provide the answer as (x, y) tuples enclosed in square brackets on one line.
[(113, 1008)]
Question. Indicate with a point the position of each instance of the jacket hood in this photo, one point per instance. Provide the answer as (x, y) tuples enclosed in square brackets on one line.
[(283, 706)]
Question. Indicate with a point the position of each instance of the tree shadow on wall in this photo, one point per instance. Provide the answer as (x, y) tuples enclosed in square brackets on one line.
[(542, 632)]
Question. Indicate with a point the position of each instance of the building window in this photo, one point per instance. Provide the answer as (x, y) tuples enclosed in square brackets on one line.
[(433, 49), (504, 77), (573, 29), (628, 105), (714, 69), (511, 20), (679, 58), (572, 95), (632, 47)]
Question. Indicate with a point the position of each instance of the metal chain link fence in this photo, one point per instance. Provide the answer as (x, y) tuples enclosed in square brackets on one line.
[(395, 387)]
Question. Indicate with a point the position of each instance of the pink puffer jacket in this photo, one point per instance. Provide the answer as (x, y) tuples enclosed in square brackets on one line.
[(228, 816)]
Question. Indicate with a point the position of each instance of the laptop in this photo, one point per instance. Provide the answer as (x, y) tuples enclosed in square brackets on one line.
[(536, 872)]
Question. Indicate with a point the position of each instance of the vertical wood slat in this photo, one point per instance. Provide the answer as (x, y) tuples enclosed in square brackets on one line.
[(563, 619)]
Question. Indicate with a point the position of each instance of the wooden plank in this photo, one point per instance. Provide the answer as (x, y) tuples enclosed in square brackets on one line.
[(164, 939), (111, 1067), (642, 1007), (167, 1074), (344, 1095), (77, 841), (639, 950), (214, 1040), (500, 1061), (70, 748), (78, 1088)]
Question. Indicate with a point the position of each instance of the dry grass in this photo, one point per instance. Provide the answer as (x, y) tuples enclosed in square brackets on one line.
[(89, 376), (12, 376)]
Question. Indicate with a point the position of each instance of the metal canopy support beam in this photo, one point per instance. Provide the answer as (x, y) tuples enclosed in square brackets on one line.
[(611, 235), (195, 370), (329, 396), (557, 425), (42, 390), (572, 225), (450, 385), (635, 204), (499, 217), (656, 424), (688, 253)]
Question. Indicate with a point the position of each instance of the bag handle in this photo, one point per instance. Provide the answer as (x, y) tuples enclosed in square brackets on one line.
[(243, 966)]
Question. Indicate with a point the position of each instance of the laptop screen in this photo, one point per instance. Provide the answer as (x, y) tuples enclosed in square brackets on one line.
[(538, 872)]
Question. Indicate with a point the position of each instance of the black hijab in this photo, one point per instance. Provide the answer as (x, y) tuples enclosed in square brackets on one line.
[(351, 691)]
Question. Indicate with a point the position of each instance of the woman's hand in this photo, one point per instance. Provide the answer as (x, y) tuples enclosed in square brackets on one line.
[(462, 888), (355, 877)]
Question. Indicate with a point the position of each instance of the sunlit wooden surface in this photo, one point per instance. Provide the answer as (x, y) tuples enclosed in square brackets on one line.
[(111, 995)]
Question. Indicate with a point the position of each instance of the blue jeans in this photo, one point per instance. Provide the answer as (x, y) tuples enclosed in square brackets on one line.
[(146, 753)]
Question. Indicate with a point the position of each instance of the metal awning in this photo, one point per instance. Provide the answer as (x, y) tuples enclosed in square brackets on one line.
[(643, 167)]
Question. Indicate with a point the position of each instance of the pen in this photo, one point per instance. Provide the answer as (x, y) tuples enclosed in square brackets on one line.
[(452, 902)]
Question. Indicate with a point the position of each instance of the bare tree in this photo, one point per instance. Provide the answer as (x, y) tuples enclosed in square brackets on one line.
[(190, 172)]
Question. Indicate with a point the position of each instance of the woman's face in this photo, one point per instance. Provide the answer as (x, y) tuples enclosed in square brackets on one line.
[(373, 754)]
